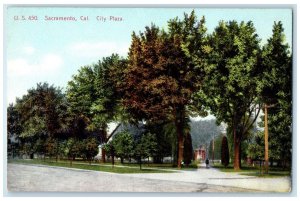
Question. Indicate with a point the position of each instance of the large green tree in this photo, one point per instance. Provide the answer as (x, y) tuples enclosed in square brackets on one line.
[(13, 130), (42, 116), (160, 78), (231, 74), (276, 91), (92, 95)]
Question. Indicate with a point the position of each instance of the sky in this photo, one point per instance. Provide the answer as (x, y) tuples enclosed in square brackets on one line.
[(52, 51)]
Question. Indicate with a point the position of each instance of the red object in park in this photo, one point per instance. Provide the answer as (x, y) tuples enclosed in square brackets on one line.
[(200, 154)]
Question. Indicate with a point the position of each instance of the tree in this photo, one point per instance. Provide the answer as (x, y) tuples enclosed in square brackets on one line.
[(50, 146), (92, 95), (73, 148), (167, 141), (42, 114), (160, 78), (145, 147), (13, 131), (276, 91), (256, 147), (214, 151), (123, 143), (90, 148), (229, 85), (224, 152)]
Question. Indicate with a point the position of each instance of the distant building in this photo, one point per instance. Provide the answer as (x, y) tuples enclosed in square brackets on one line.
[(200, 153)]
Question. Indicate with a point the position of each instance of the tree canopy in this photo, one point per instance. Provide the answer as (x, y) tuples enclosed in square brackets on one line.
[(229, 86), (168, 76), (160, 77)]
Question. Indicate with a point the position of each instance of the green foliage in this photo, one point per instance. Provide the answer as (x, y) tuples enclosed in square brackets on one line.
[(276, 90), (90, 148), (13, 125), (146, 146), (277, 69), (217, 141), (41, 115), (166, 138), (231, 74), (124, 145), (39, 146), (80, 91), (73, 148), (41, 111), (106, 108), (92, 94), (256, 149), (13, 131), (108, 147), (168, 77), (26, 148)]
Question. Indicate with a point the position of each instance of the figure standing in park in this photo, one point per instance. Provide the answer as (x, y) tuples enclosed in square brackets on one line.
[(207, 162)]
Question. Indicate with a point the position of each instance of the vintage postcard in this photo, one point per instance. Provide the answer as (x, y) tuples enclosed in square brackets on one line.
[(149, 99)]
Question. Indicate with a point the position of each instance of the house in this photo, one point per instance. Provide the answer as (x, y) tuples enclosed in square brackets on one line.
[(115, 128)]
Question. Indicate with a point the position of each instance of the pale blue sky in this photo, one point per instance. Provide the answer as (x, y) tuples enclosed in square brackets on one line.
[(39, 51)]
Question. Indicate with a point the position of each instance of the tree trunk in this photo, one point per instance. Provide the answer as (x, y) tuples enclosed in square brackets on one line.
[(140, 160), (57, 150), (237, 144), (240, 158), (103, 155), (113, 160), (179, 131), (105, 140)]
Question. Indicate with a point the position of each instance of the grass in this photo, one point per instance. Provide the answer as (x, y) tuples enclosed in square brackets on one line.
[(96, 167), (254, 171), (271, 174)]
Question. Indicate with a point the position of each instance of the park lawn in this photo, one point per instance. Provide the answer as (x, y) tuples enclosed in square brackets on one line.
[(254, 171), (271, 174), (95, 167), (164, 166)]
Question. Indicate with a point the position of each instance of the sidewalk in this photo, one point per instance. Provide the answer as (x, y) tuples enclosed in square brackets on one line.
[(215, 177)]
